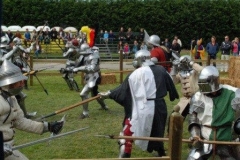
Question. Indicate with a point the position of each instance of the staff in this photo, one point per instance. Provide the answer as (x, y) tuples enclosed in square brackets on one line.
[(70, 107), (167, 139)]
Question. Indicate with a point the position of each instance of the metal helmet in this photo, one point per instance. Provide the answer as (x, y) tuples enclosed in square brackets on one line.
[(142, 58), (10, 73), (85, 49), (72, 44), (75, 42), (4, 41), (17, 41), (154, 40), (184, 63), (236, 126), (209, 80)]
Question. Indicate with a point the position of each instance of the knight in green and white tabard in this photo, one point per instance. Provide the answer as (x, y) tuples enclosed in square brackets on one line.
[(212, 113)]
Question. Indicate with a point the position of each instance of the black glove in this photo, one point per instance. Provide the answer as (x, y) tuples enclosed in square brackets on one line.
[(62, 70), (196, 142), (55, 127)]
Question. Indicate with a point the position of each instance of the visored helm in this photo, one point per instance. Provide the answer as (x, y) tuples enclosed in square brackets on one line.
[(72, 44), (184, 64), (75, 42), (85, 49), (236, 126), (142, 58), (209, 80), (17, 41), (9, 74), (154, 40), (4, 41)]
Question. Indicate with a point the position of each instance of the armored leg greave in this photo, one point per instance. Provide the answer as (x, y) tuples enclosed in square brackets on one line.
[(100, 101), (65, 77), (21, 101), (74, 85), (68, 83), (84, 95)]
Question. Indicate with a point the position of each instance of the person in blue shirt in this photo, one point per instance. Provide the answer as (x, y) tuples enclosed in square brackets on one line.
[(212, 49), (105, 37), (135, 47), (27, 37)]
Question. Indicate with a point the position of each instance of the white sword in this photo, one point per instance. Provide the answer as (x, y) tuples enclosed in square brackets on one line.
[(46, 139)]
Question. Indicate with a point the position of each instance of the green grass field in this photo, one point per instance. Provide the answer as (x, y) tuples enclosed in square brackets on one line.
[(84, 144)]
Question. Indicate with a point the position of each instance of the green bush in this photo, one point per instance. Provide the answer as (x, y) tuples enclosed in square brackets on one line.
[(186, 18)]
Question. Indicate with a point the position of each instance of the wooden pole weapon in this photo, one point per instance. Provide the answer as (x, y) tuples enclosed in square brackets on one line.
[(123, 71), (167, 139), (70, 107)]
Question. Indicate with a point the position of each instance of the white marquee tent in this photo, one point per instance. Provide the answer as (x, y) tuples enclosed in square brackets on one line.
[(4, 28), (29, 27), (72, 29), (44, 28), (57, 28), (14, 28)]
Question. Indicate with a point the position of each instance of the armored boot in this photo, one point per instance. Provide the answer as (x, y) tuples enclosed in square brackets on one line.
[(103, 105), (125, 147)]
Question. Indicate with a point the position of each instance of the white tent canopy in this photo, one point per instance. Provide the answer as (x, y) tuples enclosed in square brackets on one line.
[(29, 27), (72, 29), (4, 28), (57, 28), (14, 28), (44, 28)]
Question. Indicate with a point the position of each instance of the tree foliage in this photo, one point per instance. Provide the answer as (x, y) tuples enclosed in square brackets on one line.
[(186, 18)]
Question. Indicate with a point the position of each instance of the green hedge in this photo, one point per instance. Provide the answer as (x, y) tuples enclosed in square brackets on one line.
[(186, 18)]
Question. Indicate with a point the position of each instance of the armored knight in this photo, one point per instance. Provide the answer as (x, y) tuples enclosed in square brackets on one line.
[(142, 96), (18, 57), (186, 72), (211, 115), (72, 55), (91, 61), (159, 53), (11, 116), (5, 50)]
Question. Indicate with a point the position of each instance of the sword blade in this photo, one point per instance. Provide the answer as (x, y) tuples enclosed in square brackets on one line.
[(46, 139)]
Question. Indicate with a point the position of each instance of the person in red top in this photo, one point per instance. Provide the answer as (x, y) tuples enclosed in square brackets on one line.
[(157, 53)]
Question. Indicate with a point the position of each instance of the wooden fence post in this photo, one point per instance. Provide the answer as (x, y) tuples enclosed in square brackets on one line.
[(121, 65), (175, 135), (31, 66)]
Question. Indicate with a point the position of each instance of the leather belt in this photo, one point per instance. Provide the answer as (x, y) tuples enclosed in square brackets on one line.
[(152, 99)]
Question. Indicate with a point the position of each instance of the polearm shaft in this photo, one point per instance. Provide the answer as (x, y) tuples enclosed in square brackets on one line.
[(35, 76), (41, 84), (158, 63), (59, 46), (123, 71), (71, 107), (167, 139), (32, 72), (47, 139)]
